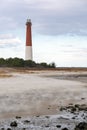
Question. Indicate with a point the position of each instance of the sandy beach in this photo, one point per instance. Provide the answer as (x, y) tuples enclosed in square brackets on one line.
[(40, 93)]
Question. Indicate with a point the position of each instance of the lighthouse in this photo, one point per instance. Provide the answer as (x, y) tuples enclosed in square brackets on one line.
[(28, 48)]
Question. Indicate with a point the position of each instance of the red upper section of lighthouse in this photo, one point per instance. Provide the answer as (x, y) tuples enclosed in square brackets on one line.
[(28, 33)]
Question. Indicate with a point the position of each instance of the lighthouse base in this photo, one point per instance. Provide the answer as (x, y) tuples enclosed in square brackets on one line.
[(28, 53)]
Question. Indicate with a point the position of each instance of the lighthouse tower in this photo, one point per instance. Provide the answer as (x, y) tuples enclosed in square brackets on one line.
[(28, 51)]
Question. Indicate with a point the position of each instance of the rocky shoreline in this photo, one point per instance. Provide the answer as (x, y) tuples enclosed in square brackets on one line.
[(71, 117)]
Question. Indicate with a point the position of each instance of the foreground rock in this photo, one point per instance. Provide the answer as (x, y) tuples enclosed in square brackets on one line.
[(13, 124), (81, 126)]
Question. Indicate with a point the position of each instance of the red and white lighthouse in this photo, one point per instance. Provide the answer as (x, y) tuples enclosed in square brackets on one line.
[(28, 51)]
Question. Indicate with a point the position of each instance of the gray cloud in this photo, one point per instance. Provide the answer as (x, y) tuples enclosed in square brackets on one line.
[(51, 17), (9, 41)]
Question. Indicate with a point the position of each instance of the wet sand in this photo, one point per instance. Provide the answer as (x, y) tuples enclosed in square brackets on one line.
[(38, 96), (40, 92)]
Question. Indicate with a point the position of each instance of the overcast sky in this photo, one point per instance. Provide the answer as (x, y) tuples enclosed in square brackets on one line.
[(59, 30)]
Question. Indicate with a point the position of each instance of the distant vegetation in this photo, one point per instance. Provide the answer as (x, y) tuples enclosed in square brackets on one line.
[(18, 62)]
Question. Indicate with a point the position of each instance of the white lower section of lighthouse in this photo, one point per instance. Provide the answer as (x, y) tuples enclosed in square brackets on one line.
[(28, 53)]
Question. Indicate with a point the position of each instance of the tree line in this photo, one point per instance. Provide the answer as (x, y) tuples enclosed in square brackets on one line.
[(19, 62)]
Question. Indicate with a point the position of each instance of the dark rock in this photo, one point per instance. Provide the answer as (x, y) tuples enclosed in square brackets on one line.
[(37, 116), (77, 105), (65, 129), (26, 121), (58, 126), (84, 118), (73, 117), (62, 108), (47, 126), (82, 108), (70, 104), (47, 116), (23, 128), (82, 98), (69, 107), (82, 115), (13, 124), (81, 126), (73, 109), (18, 117), (2, 128), (9, 129)]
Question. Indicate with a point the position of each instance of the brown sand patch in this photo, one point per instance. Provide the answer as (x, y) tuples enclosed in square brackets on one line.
[(5, 75)]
